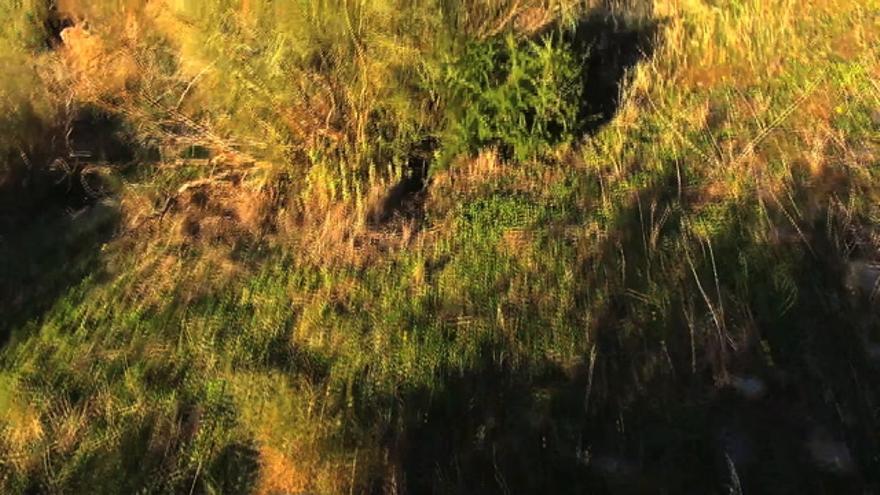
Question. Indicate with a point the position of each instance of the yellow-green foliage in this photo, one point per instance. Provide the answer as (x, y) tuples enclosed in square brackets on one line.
[(25, 108), (23, 27)]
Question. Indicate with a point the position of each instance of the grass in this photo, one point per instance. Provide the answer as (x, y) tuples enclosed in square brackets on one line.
[(571, 311)]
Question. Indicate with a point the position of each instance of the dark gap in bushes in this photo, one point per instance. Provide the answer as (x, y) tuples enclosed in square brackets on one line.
[(406, 198), (613, 50), (235, 470), (54, 23), (56, 211)]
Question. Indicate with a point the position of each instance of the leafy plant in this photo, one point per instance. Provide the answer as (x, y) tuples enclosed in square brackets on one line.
[(520, 95)]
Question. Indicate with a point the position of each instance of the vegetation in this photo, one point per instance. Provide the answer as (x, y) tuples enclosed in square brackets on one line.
[(443, 246), (522, 96)]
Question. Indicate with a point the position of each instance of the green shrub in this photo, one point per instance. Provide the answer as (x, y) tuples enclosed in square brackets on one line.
[(519, 95)]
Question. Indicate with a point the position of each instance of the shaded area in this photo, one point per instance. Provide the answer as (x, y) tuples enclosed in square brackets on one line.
[(235, 470), (42, 258), (100, 137), (65, 172), (56, 212), (491, 430), (778, 399), (54, 23), (406, 198), (613, 48)]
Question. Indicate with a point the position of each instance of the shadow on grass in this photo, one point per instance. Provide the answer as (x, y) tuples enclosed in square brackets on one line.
[(779, 400), (56, 213), (41, 259)]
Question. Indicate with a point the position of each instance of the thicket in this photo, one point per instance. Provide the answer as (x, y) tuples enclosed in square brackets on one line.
[(331, 93)]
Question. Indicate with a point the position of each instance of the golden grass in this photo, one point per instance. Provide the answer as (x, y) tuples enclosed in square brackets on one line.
[(23, 432), (279, 474), (96, 69)]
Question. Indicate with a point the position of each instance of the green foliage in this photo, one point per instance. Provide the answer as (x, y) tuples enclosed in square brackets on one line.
[(518, 94)]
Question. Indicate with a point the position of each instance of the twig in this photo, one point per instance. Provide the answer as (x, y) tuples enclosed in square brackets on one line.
[(191, 83), (793, 224), (514, 9), (25, 159), (715, 316), (757, 140), (590, 379), (203, 182), (353, 471), (171, 199), (717, 282), (688, 316)]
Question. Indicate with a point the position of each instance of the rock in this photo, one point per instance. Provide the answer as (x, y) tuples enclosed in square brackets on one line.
[(875, 117), (830, 455), (750, 387), (863, 278)]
